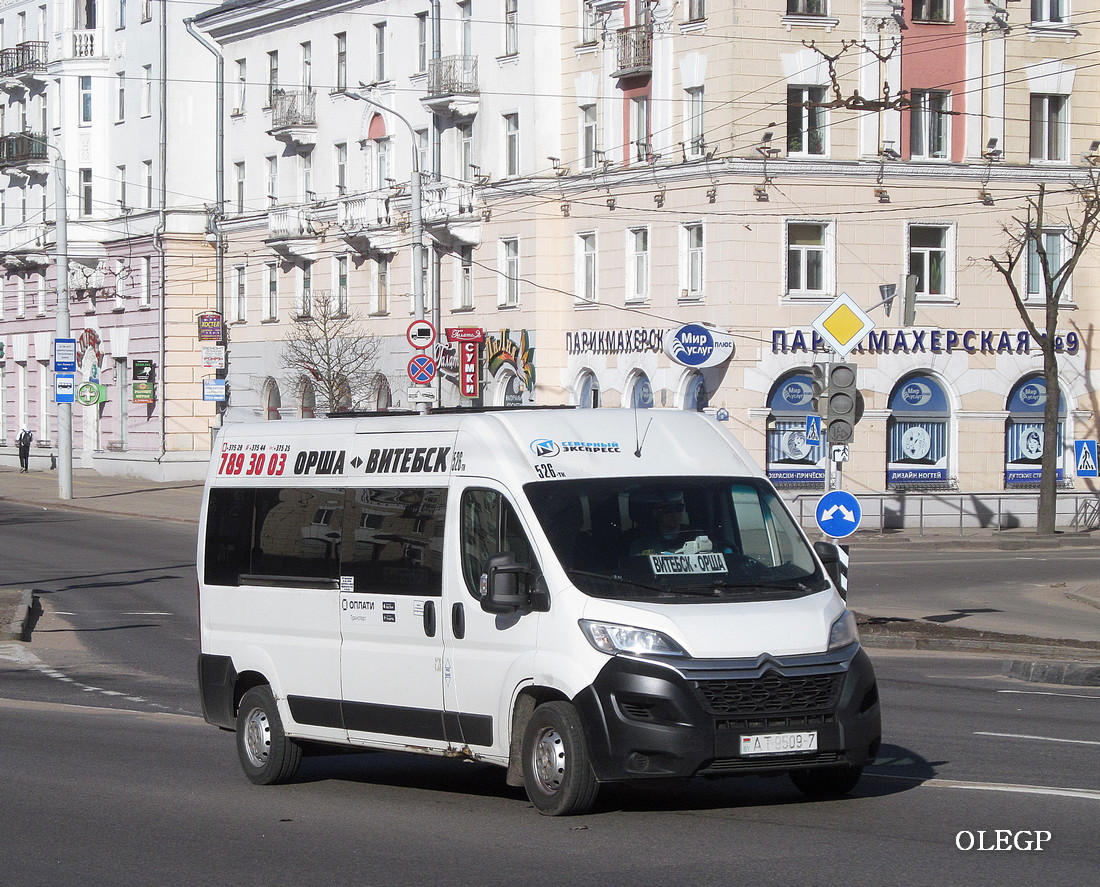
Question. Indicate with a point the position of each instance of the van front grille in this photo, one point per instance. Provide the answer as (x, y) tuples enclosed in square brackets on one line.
[(771, 692)]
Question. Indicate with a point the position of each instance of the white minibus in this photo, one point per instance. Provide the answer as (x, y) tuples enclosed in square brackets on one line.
[(578, 596)]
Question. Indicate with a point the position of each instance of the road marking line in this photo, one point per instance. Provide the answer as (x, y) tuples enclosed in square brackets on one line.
[(1049, 693), (1083, 793), (147, 614), (1043, 738)]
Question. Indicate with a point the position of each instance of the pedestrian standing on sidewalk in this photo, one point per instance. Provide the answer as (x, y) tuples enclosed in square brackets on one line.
[(24, 442)]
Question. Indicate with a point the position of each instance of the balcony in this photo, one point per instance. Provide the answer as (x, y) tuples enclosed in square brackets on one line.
[(294, 116), (291, 233), (24, 154), (634, 51), (366, 221), (450, 213), (25, 246), (82, 43), (452, 85), (21, 63)]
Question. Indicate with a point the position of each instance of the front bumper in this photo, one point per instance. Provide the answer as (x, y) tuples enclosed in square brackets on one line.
[(646, 718)]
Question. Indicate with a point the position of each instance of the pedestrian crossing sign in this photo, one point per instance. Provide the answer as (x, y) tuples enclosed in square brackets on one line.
[(1084, 452)]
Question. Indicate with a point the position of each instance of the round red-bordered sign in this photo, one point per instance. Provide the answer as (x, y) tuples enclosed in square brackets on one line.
[(421, 334)]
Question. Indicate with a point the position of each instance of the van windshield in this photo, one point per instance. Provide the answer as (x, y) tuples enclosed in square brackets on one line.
[(676, 539)]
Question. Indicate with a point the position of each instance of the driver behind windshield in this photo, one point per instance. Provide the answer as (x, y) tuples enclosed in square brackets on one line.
[(660, 516)]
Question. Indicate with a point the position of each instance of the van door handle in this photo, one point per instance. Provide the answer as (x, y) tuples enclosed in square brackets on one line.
[(429, 618), (458, 621)]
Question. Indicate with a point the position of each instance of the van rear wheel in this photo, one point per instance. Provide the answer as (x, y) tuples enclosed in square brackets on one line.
[(827, 782), (267, 756), (557, 771)]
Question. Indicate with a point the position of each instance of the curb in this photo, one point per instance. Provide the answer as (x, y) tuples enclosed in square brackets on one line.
[(15, 608), (69, 505), (1077, 674)]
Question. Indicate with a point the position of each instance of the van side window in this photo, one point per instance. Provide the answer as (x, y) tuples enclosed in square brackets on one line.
[(297, 534), (228, 535), (393, 540), (489, 526)]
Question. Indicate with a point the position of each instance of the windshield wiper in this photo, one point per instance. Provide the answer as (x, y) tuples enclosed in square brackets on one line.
[(620, 580)]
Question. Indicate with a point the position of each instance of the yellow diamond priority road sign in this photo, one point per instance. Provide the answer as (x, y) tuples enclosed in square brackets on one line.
[(843, 324)]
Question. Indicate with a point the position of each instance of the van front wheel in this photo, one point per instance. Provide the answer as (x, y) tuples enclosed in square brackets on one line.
[(557, 771), (267, 756)]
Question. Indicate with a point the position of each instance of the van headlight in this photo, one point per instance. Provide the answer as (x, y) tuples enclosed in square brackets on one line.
[(844, 631), (610, 638)]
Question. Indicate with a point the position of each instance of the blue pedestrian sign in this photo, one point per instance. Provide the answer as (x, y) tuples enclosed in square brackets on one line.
[(1084, 457), (838, 514), (813, 430)]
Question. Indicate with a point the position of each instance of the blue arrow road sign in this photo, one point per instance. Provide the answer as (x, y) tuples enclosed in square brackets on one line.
[(838, 514)]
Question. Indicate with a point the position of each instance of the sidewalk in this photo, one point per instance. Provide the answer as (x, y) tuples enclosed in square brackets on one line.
[(1065, 625)]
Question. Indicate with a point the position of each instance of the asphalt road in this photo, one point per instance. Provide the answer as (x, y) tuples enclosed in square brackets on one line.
[(110, 778)]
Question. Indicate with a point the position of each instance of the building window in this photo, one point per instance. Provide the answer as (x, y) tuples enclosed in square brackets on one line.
[(145, 290), (931, 11), (120, 186), (341, 62), (692, 249), (465, 133), (509, 258), (120, 97), (808, 258), (465, 290), (146, 90), (305, 290), (696, 396), (590, 137), (306, 55), (147, 168), (271, 296), (305, 173), (272, 164), (121, 14), (340, 152), (382, 173), (511, 27), (465, 28), (381, 286), (85, 192), (85, 85), (340, 303), (273, 401), (238, 176), (511, 144), (590, 23), (588, 391), (929, 260), (807, 7), (1048, 127), (239, 305), (380, 52), (916, 435), (639, 392), (806, 124), (928, 132), (586, 268), (1055, 248), (791, 461), (241, 67), (696, 138), (1024, 443), (639, 128), (421, 42), (696, 10), (637, 271), (1048, 12), (272, 76)]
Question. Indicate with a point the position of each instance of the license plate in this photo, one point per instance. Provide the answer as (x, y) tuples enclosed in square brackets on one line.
[(779, 743)]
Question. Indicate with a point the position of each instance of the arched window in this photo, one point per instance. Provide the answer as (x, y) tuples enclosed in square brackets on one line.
[(308, 400), (640, 392), (792, 462), (383, 396), (1024, 433), (917, 436), (696, 396), (588, 391), (273, 401)]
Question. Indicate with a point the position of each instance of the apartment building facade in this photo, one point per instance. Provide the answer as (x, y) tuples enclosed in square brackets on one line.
[(94, 85), (597, 176)]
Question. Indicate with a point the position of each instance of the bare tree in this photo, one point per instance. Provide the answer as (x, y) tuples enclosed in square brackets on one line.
[(331, 350), (1027, 242)]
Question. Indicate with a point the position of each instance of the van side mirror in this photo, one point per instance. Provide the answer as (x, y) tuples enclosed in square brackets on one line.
[(834, 557), (502, 590)]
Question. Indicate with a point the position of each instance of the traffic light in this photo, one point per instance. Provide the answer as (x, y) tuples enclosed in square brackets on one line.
[(840, 400), (819, 382)]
